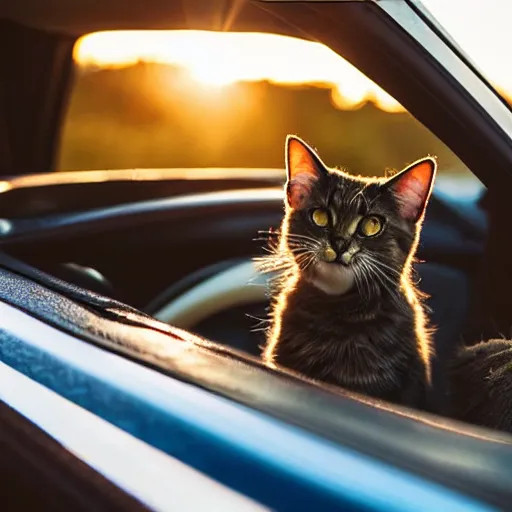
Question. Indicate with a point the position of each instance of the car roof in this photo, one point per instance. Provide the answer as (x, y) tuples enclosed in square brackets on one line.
[(78, 17)]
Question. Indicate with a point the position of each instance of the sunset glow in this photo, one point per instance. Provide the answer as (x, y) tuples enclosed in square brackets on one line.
[(218, 59)]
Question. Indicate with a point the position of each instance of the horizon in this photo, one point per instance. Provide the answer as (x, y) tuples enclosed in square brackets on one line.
[(218, 60)]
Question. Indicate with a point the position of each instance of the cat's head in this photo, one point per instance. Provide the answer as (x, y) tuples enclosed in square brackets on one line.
[(346, 231)]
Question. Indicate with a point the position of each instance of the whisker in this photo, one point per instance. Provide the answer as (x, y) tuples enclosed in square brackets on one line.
[(379, 272), (384, 266), (392, 289), (312, 259), (303, 243), (288, 235), (366, 273), (358, 275), (377, 269)]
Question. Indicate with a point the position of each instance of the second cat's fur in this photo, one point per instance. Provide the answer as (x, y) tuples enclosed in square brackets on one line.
[(480, 384)]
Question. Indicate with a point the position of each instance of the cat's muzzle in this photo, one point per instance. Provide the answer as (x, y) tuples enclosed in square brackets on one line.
[(344, 257)]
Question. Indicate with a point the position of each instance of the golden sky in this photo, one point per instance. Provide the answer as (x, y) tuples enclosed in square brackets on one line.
[(219, 59)]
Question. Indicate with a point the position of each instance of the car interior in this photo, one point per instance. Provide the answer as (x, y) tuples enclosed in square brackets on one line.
[(187, 240), (93, 220)]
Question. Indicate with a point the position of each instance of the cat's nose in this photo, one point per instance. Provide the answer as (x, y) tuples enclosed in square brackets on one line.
[(341, 249), (341, 245), (345, 249), (345, 258)]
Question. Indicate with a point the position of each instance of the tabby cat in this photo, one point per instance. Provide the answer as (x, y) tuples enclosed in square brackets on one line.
[(346, 311)]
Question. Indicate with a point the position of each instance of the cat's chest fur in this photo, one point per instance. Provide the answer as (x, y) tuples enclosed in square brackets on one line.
[(375, 354)]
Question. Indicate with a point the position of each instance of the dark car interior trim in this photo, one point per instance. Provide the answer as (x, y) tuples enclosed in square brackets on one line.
[(35, 94), (69, 192), (55, 186)]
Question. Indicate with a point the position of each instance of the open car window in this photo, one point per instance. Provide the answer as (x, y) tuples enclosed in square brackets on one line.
[(192, 99)]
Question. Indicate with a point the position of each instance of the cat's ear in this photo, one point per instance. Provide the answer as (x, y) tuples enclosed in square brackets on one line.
[(412, 188), (304, 168)]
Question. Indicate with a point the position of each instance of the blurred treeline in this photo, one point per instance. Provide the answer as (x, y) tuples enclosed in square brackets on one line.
[(153, 115)]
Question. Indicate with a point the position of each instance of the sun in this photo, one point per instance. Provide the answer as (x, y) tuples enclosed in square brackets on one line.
[(212, 76)]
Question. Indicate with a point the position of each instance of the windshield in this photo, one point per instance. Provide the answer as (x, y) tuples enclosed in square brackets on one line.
[(482, 31)]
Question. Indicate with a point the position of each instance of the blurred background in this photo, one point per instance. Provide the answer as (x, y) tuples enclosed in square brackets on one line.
[(203, 99)]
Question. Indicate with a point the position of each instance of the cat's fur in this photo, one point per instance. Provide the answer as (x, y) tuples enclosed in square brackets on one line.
[(480, 384), (359, 325)]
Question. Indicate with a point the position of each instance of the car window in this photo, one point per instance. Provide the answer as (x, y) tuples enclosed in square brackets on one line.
[(164, 99)]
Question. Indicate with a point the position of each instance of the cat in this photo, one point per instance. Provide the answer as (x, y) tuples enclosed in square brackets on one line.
[(346, 311), (480, 385)]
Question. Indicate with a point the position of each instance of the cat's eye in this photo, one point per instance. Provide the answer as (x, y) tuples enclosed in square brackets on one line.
[(370, 226), (320, 217)]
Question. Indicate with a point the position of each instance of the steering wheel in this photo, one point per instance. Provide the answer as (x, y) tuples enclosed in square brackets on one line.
[(239, 284)]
